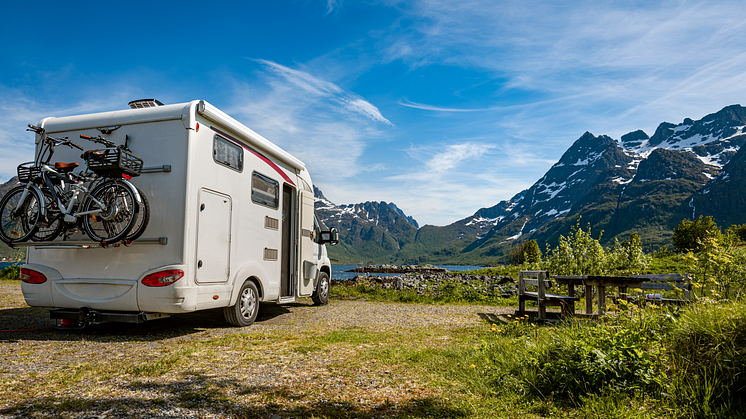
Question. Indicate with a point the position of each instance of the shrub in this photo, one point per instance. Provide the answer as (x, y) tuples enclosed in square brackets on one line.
[(627, 258), (526, 252), (577, 254), (690, 236), (12, 272), (708, 361)]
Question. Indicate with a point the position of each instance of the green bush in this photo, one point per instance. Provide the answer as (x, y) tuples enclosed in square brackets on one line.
[(690, 236), (621, 355), (684, 362), (577, 254), (707, 347), (12, 272)]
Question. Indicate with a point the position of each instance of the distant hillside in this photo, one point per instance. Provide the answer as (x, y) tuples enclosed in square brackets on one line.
[(639, 183)]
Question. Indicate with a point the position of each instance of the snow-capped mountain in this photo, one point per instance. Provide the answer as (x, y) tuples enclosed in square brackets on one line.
[(368, 231), (639, 183)]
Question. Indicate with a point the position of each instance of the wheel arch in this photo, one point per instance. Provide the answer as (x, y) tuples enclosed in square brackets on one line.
[(253, 272)]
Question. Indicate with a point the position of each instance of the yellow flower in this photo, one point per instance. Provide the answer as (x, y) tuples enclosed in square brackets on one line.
[(473, 366)]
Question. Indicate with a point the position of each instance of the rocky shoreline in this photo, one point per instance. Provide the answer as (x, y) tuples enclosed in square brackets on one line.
[(398, 269), (431, 282)]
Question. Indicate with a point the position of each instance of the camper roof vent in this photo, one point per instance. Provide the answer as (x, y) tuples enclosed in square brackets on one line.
[(144, 103)]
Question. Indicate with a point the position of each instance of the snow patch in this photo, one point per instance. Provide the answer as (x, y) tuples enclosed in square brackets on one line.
[(520, 233), (620, 180)]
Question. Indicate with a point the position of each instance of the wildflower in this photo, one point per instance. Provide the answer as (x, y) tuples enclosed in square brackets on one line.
[(473, 366), (494, 330)]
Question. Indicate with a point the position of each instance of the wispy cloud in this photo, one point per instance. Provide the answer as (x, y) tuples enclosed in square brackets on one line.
[(440, 109), (455, 154), (20, 107), (325, 125), (624, 59)]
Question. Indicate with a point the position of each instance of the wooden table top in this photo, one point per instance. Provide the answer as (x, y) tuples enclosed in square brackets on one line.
[(599, 280)]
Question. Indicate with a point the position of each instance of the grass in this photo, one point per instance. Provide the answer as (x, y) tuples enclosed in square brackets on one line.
[(656, 362)]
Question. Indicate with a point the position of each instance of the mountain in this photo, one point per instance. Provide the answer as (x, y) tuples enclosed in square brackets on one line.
[(368, 232), (5, 187), (641, 183)]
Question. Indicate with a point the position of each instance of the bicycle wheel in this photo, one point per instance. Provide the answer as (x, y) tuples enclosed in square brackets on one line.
[(115, 218), (18, 220), (52, 226), (142, 217)]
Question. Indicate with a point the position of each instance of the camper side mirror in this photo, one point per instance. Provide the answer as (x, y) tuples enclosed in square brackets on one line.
[(329, 236)]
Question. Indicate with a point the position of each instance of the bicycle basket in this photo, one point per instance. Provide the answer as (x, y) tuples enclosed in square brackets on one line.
[(113, 162), (28, 172)]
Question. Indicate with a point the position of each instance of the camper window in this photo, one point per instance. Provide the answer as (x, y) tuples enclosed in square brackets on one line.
[(265, 191), (227, 153)]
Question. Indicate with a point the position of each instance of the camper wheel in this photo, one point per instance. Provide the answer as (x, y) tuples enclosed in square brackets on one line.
[(321, 295), (244, 312)]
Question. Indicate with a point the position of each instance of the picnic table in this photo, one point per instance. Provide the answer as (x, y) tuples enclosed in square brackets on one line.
[(600, 282)]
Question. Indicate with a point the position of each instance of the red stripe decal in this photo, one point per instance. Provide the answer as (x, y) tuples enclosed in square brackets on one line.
[(256, 153)]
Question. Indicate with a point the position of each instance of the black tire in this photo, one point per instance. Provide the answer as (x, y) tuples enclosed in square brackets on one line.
[(19, 226), (244, 312), (118, 215), (320, 296), (142, 217), (52, 226)]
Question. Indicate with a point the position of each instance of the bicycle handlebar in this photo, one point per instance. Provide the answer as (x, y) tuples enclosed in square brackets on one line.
[(72, 144), (99, 139), (34, 128)]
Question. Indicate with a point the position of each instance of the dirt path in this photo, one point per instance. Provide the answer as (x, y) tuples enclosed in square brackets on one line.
[(297, 360)]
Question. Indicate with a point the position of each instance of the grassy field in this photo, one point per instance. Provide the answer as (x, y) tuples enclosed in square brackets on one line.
[(349, 360)]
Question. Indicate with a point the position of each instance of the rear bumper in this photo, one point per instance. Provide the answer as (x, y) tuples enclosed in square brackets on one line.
[(108, 295), (89, 315)]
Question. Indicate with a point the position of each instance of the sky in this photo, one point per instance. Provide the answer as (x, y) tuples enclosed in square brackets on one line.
[(441, 107)]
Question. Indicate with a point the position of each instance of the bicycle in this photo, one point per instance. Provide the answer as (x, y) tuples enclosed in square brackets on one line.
[(52, 199), (23, 209), (117, 160)]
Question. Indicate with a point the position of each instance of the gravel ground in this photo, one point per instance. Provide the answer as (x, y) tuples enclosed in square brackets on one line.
[(194, 366)]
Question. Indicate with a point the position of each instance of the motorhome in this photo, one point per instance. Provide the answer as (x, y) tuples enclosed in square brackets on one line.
[(231, 224)]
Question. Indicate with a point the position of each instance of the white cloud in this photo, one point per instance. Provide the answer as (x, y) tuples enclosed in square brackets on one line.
[(455, 154), (20, 107), (324, 125), (613, 66)]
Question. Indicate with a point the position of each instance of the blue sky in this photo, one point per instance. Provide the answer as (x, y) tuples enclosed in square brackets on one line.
[(442, 107)]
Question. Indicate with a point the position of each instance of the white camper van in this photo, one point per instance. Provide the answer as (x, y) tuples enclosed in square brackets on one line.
[(231, 224)]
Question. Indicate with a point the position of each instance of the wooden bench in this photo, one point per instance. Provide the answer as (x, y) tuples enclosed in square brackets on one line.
[(540, 280), (658, 282), (665, 282)]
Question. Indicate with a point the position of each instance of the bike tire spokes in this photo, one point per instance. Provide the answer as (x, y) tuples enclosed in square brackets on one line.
[(18, 220), (116, 217)]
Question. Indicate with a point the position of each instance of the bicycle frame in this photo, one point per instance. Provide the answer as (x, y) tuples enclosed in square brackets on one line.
[(68, 210)]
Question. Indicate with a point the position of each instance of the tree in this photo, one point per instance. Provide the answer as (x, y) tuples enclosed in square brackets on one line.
[(627, 258), (525, 252), (532, 253), (578, 254), (691, 236)]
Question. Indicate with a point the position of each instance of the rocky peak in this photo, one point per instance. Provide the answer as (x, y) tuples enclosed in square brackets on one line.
[(634, 139), (409, 218)]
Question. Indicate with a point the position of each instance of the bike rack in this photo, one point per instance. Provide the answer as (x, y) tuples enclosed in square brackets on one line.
[(87, 244), (155, 169)]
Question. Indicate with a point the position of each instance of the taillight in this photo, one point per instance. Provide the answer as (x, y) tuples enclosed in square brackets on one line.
[(32, 277), (163, 278)]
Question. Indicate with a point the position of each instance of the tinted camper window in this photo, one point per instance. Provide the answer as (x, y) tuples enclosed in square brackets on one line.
[(265, 191), (227, 153)]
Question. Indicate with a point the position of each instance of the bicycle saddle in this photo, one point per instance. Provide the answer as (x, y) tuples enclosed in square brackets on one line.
[(65, 167)]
